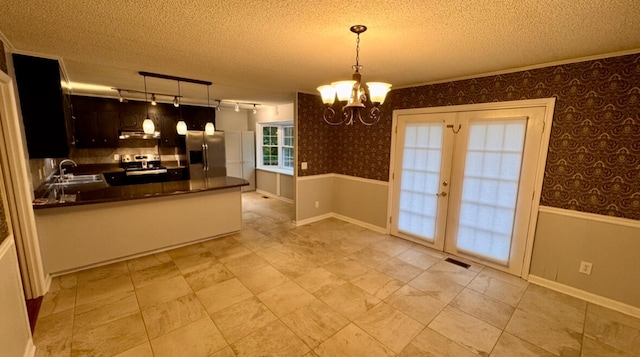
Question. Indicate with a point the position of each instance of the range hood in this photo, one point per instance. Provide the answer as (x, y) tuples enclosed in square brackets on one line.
[(130, 134)]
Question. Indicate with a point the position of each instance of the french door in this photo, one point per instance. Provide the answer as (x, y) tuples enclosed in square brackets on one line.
[(464, 181)]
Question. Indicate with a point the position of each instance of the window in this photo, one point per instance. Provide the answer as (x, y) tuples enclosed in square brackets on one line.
[(276, 142)]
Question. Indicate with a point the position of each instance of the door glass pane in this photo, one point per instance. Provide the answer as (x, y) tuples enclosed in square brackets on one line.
[(490, 187), (419, 184)]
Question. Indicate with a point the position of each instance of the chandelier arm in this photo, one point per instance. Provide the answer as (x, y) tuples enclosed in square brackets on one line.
[(328, 116), (374, 115)]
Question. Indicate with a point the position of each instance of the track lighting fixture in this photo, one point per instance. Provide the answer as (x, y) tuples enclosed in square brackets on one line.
[(237, 107), (120, 98), (176, 101), (147, 125), (209, 129), (255, 111), (218, 108), (153, 99)]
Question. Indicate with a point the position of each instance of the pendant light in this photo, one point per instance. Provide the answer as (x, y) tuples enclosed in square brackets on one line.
[(181, 126), (354, 93), (147, 125), (209, 129)]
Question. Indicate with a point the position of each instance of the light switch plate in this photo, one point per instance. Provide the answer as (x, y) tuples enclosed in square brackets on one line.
[(303, 166)]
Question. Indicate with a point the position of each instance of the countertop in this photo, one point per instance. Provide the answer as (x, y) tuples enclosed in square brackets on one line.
[(102, 193)]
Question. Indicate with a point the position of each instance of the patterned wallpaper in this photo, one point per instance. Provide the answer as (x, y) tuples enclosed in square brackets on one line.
[(593, 163), (3, 59), (4, 228)]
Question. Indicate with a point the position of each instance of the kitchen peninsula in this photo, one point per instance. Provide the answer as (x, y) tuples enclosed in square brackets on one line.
[(118, 222)]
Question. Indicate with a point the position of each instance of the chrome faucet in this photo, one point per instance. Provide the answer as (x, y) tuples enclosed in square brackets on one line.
[(61, 170)]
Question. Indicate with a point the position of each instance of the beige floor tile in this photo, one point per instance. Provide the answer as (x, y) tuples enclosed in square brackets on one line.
[(494, 285), (162, 291), (225, 352), (102, 272), (437, 286), (110, 338), (613, 328), (560, 308), (453, 272), (197, 339), (242, 319), (285, 298), (63, 282), (92, 315), (274, 339), (349, 300), (346, 268), (319, 281), (242, 264), (389, 326), (545, 333), (377, 284), (509, 346), (60, 348), (148, 261), (171, 315), (288, 262), (483, 307), (417, 258), (371, 256), (416, 303), (100, 289), (432, 344), (143, 350), (187, 250), (224, 294), (263, 279), (593, 348), (390, 244), (399, 269), (254, 240), (154, 274), (314, 322), (194, 262), (53, 328), (57, 300), (207, 275), (351, 341), (225, 247), (470, 332)]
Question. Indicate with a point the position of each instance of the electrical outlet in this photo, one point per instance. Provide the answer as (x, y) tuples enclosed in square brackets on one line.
[(116, 157), (585, 267), (317, 204)]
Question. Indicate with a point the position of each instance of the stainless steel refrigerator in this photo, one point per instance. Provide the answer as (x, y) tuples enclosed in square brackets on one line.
[(206, 154)]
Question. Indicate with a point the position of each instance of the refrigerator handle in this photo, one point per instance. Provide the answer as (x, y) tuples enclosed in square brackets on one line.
[(205, 151)]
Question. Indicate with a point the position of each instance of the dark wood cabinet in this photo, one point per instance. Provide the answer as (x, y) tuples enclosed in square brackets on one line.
[(168, 134), (177, 174), (197, 117), (47, 122), (97, 129)]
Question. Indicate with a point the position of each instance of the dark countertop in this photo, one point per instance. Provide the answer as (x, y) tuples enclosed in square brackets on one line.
[(102, 193)]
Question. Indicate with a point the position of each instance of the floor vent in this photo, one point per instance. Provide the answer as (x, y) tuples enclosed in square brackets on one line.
[(457, 262), (265, 197)]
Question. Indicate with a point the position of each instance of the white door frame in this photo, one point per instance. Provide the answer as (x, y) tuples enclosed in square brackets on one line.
[(547, 103), (19, 195)]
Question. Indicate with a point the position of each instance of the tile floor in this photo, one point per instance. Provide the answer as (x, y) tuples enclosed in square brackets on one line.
[(326, 289)]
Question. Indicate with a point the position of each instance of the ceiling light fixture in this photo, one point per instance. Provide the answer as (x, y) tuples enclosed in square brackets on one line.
[(237, 107), (147, 125), (219, 108), (209, 129), (120, 98), (255, 111), (153, 99), (181, 126), (353, 93)]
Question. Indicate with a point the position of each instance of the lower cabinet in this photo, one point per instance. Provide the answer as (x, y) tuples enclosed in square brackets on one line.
[(177, 174)]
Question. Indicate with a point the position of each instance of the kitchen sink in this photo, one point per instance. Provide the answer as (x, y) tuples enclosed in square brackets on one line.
[(73, 180)]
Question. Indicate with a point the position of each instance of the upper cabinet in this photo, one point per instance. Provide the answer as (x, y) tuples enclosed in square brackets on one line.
[(46, 112), (96, 122)]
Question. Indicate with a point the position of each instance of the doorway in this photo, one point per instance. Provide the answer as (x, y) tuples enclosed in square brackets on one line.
[(466, 179)]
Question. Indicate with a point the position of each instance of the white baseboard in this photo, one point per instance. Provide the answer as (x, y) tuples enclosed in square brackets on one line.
[(30, 349), (587, 296), (342, 218)]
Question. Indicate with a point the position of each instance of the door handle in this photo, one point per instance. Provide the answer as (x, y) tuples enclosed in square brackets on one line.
[(441, 194)]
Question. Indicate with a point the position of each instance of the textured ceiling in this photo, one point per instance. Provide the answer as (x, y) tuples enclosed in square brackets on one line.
[(264, 51)]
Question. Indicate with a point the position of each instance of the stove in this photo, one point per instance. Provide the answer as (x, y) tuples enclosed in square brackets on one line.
[(145, 164)]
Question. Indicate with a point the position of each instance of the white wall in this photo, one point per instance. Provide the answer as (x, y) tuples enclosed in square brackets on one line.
[(15, 335), (230, 120)]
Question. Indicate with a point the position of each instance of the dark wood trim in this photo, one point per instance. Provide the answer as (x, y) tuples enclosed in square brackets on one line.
[(174, 78)]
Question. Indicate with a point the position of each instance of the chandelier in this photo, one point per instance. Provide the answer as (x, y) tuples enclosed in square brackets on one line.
[(354, 94)]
